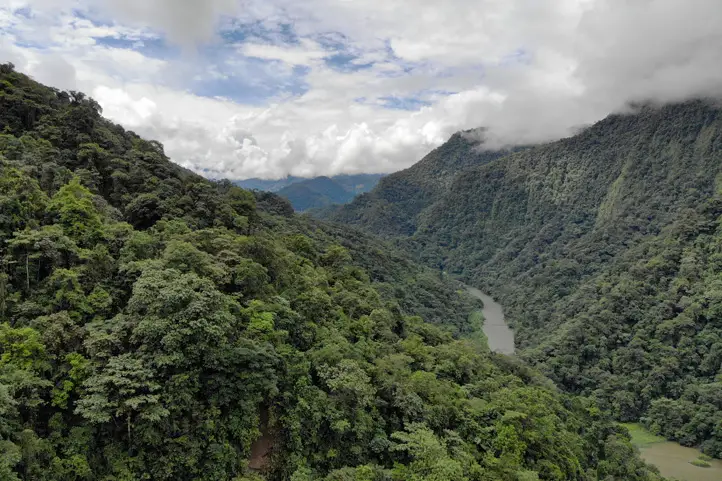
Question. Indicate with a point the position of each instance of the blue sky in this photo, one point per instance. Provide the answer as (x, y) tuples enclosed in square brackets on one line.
[(266, 88)]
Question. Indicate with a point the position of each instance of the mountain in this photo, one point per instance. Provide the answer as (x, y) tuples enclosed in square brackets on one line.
[(357, 183), (268, 185), (393, 206), (316, 192), (157, 325), (604, 249)]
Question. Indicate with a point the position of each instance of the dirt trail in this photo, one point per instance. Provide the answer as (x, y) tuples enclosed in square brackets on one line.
[(261, 448)]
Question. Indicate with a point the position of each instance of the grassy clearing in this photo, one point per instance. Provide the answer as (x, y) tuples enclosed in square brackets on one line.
[(641, 437)]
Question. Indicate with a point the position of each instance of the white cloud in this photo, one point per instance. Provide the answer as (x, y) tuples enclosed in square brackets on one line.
[(527, 70), (123, 108), (55, 70), (184, 21), (306, 53)]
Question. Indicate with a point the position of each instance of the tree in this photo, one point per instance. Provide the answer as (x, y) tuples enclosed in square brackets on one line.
[(430, 459), (23, 365), (74, 210), (124, 388), (21, 202)]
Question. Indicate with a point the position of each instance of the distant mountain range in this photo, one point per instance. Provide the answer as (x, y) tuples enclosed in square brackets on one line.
[(305, 194)]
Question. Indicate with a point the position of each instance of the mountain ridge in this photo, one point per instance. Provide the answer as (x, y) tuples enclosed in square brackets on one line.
[(315, 192), (401, 196), (557, 232), (156, 325)]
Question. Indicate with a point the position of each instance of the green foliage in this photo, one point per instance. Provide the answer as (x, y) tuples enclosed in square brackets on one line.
[(73, 209), (641, 437), (156, 325), (604, 249), (430, 457), (22, 202), (700, 463), (123, 388), (21, 348)]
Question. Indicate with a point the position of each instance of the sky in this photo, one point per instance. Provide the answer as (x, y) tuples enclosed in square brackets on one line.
[(267, 88)]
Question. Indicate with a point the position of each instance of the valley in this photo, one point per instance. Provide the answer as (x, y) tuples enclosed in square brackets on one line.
[(602, 247), (499, 336), (315, 193), (267, 240), (158, 325), (673, 460)]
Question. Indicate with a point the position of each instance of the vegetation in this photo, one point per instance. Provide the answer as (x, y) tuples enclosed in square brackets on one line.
[(314, 193), (700, 463), (604, 249), (155, 325), (317, 192), (393, 207), (641, 437)]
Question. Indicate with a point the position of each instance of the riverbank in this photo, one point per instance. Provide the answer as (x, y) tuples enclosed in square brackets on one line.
[(672, 459), (498, 334)]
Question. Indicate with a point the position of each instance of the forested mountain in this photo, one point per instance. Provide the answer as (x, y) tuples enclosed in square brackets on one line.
[(316, 192), (156, 325), (393, 206), (356, 183), (604, 248)]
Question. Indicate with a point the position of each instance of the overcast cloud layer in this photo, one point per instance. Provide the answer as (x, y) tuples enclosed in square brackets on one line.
[(260, 88)]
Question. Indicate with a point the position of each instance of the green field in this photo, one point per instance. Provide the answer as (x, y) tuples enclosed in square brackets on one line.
[(641, 437)]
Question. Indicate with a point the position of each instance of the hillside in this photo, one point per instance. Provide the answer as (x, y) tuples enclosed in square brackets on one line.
[(356, 183), (317, 192), (393, 206), (156, 325), (603, 248)]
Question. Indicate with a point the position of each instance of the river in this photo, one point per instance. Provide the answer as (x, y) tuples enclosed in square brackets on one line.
[(672, 459), (498, 333)]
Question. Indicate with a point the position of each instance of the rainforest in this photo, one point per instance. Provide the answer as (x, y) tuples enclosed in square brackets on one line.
[(158, 325), (604, 249)]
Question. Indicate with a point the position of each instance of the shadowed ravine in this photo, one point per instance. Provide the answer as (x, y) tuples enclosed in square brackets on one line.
[(500, 336)]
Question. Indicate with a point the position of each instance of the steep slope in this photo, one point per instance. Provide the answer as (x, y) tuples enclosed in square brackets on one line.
[(603, 248), (392, 207), (155, 325)]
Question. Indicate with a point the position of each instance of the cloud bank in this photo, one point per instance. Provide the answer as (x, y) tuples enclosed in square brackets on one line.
[(270, 88)]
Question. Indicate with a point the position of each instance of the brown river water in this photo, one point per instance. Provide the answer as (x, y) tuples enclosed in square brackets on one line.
[(500, 336), (672, 459)]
